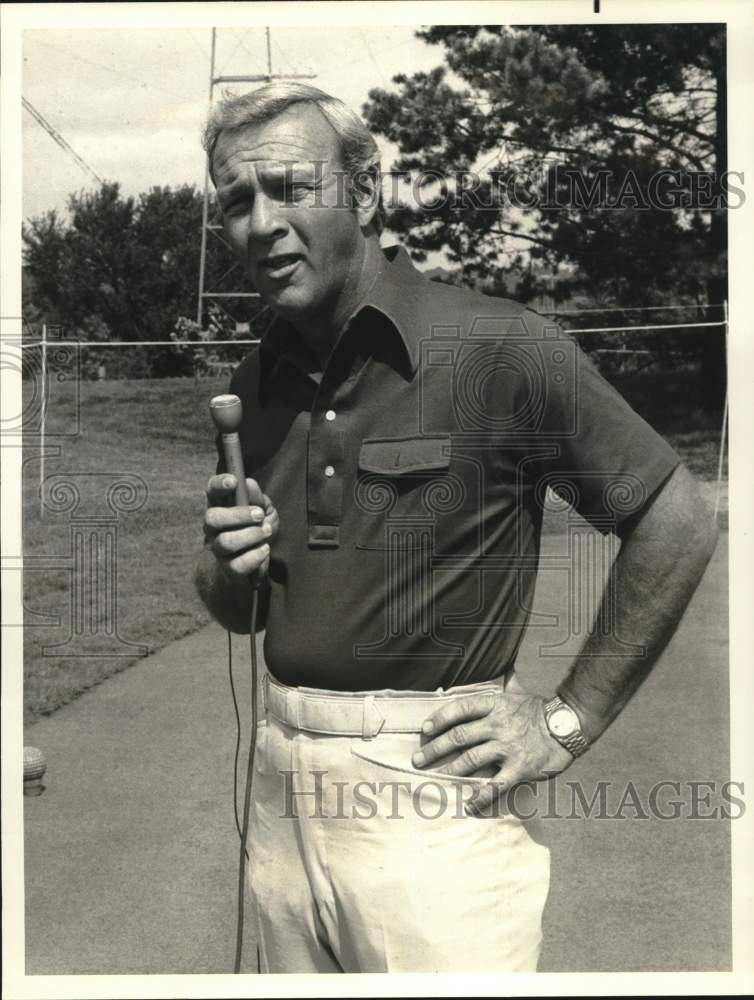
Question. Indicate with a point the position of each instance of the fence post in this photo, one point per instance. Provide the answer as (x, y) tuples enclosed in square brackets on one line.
[(725, 421), (43, 420)]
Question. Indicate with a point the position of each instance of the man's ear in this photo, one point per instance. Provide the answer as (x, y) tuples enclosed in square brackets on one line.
[(366, 193)]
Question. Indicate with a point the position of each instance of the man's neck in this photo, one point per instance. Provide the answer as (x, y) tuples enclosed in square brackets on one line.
[(321, 332)]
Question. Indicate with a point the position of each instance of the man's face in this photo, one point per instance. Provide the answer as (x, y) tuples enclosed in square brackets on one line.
[(279, 193)]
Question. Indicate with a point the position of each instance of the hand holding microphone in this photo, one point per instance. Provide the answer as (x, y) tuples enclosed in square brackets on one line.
[(240, 522)]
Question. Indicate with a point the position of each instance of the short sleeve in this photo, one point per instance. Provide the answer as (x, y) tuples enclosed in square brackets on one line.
[(582, 439)]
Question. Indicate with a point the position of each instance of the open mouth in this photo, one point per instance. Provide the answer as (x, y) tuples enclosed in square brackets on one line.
[(280, 265)]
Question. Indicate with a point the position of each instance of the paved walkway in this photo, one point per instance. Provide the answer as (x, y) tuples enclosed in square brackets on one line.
[(131, 852)]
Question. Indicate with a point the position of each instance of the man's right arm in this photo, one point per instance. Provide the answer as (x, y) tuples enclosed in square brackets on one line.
[(236, 554)]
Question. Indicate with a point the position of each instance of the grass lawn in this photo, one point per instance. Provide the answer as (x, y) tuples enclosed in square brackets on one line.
[(669, 401), (160, 430)]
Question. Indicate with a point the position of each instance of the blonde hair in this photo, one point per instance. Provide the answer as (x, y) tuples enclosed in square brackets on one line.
[(358, 148)]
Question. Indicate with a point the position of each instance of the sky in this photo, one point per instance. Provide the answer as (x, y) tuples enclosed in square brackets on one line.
[(131, 102)]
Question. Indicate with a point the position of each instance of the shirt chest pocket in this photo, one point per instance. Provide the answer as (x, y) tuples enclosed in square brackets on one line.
[(402, 485)]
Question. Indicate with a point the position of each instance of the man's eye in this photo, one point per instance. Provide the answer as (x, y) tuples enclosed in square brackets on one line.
[(294, 192)]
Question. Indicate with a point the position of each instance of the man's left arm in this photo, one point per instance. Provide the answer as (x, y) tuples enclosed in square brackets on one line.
[(664, 550)]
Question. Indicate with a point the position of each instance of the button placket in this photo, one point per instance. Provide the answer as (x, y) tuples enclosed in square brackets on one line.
[(325, 483), (326, 455)]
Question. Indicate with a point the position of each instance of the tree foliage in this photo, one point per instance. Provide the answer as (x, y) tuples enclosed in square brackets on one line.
[(125, 268), (132, 261), (525, 108), (614, 98)]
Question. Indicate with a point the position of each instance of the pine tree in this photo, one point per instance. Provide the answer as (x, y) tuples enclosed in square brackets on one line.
[(540, 107)]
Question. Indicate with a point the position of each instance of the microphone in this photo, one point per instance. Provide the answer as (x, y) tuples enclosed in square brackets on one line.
[(226, 412)]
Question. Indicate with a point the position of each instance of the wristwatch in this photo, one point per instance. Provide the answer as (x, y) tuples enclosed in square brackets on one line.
[(564, 726)]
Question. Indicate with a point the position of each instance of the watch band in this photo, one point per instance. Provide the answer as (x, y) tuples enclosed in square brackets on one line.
[(576, 743)]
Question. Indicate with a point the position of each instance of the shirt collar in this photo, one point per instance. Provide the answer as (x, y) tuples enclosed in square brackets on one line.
[(397, 294)]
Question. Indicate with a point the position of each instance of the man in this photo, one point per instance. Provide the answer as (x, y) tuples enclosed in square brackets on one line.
[(402, 437)]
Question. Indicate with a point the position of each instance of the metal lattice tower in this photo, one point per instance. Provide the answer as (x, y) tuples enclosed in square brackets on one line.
[(214, 227)]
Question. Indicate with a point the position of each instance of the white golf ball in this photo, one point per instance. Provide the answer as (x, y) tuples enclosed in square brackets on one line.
[(35, 764)]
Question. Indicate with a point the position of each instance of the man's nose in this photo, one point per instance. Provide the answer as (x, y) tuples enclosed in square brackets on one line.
[(267, 221)]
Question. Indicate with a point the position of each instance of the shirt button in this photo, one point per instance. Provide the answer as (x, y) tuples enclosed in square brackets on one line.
[(329, 471), (330, 415)]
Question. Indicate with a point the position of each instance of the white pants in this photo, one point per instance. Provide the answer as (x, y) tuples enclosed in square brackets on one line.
[(361, 863)]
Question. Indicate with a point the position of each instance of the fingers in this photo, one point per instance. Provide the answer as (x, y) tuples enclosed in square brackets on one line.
[(515, 770), (266, 502), (241, 551), (474, 760), (221, 492), (460, 737), (272, 518), (217, 519), (460, 710), (239, 536), (248, 562), (483, 797), (223, 515), (228, 544)]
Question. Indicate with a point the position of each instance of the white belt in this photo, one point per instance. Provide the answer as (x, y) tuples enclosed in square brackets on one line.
[(344, 713)]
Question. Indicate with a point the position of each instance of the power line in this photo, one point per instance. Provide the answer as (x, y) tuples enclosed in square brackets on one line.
[(198, 44), (58, 138), (240, 343), (630, 329), (288, 59), (377, 52), (239, 43), (139, 343), (624, 309), (376, 65), (109, 69)]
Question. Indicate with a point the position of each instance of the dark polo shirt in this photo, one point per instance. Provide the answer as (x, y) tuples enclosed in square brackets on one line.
[(410, 477)]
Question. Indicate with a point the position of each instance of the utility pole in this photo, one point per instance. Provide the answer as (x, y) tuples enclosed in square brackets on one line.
[(213, 228)]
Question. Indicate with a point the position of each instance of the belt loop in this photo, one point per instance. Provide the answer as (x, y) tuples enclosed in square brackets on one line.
[(293, 708), (265, 693), (372, 719)]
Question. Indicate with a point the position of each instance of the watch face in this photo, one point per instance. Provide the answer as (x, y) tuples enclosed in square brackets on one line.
[(563, 722)]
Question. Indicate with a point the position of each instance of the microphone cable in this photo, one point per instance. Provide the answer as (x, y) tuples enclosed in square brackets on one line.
[(243, 827)]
